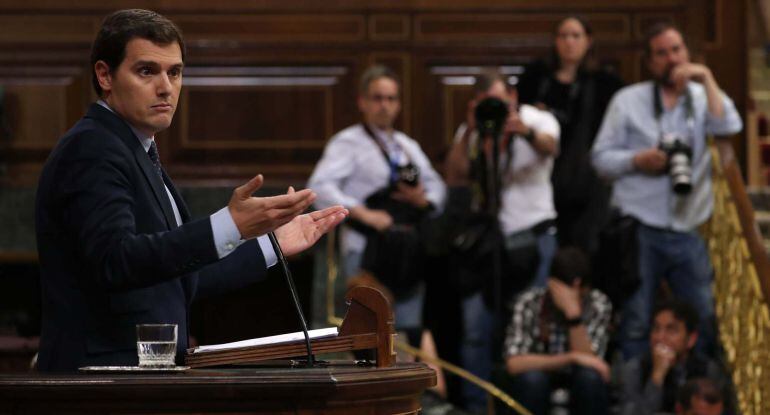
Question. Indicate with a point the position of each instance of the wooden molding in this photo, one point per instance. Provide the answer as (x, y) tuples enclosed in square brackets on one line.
[(389, 27)]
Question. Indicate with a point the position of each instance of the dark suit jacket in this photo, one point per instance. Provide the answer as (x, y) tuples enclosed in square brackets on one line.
[(111, 254)]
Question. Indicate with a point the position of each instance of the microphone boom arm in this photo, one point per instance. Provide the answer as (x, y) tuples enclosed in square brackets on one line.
[(295, 298)]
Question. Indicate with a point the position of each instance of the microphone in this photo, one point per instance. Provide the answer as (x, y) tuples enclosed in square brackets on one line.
[(295, 298)]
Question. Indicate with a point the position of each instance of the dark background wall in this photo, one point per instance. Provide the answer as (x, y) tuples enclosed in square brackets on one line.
[(268, 82)]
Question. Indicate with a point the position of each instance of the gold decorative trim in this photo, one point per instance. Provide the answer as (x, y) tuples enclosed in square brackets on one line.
[(741, 307)]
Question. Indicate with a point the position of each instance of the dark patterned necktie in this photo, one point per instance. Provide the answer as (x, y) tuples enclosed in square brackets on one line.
[(153, 153)]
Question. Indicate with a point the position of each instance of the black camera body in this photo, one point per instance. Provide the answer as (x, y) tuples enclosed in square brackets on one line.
[(408, 174), (679, 162), (490, 116)]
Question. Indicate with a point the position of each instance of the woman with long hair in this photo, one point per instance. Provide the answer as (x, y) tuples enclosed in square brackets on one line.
[(572, 85)]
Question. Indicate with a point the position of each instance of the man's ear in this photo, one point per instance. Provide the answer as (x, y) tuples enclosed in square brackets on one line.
[(692, 339), (103, 75), (360, 102)]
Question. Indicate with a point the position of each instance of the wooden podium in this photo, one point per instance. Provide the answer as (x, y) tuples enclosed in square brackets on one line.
[(339, 388), (368, 324)]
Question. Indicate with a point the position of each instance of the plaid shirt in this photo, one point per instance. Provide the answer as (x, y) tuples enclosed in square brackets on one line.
[(524, 334)]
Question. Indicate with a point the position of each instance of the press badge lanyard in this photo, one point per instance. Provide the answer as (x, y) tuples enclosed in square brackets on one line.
[(689, 111), (392, 161)]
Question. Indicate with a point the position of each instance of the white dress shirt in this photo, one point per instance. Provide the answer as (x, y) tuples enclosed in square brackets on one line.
[(526, 197), (353, 167)]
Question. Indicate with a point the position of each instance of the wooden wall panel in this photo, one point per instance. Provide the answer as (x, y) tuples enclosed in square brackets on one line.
[(268, 82), (40, 103), (255, 119), (644, 20), (389, 27), (529, 28), (272, 28), (48, 29)]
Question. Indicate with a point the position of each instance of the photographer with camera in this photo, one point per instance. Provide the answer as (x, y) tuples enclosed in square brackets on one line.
[(652, 144), (388, 184), (510, 185)]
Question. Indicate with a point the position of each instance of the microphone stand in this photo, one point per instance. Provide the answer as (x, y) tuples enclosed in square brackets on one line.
[(294, 296)]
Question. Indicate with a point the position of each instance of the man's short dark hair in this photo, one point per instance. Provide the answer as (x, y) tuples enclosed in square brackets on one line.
[(704, 388), (486, 79), (654, 31), (374, 73), (682, 311), (122, 26), (569, 264)]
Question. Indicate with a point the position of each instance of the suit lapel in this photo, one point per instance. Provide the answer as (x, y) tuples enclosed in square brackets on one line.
[(118, 126), (189, 282)]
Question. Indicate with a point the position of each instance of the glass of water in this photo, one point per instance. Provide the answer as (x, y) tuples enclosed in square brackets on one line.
[(156, 344)]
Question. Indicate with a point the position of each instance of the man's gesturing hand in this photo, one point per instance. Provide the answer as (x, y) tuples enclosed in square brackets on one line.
[(304, 230), (255, 216)]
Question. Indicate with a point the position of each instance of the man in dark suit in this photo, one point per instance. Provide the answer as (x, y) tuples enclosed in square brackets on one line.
[(116, 243)]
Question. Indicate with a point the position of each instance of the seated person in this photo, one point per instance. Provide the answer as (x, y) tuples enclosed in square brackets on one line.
[(651, 381), (700, 397), (557, 337)]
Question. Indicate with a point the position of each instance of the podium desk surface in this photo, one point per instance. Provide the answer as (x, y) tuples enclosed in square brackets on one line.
[(340, 388)]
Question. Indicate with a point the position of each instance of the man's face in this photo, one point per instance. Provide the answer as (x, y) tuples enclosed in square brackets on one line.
[(144, 89), (498, 90), (672, 333), (700, 406), (667, 50), (381, 103)]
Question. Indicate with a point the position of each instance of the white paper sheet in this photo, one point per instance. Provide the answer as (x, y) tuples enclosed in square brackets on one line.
[(261, 341)]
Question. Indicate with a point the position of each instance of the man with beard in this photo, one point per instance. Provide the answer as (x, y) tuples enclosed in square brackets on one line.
[(682, 104)]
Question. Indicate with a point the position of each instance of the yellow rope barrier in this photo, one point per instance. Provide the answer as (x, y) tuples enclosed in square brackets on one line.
[(331, 280), (488, 387)]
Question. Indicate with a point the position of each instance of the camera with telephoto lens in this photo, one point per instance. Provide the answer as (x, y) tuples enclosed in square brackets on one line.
[(679, 162), (408, 174), (490, 116)]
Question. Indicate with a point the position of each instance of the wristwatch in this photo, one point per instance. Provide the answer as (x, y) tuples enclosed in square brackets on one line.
[(572, 322)]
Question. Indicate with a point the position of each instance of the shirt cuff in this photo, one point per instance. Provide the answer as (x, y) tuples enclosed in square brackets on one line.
[(267, 250), (227, 237), (226, 234)]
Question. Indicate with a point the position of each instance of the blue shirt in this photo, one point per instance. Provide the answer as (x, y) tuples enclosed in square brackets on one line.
[(630, 126)]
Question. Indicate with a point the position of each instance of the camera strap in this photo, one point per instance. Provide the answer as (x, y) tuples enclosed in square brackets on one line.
[(392, 163), (688, 106)]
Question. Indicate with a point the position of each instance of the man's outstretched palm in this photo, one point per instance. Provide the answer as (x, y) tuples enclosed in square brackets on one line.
[(304, 230)]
